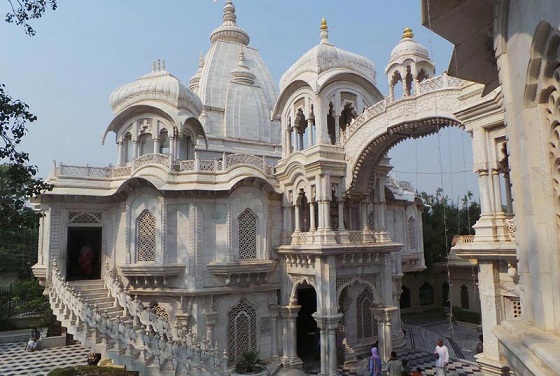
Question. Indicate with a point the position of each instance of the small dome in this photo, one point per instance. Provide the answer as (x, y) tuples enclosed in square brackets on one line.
[(159, 84), (326, 56), (195, 80), (241, 72), (229, 31), (408, 47)]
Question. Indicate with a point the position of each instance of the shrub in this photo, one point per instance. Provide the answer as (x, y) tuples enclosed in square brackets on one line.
[(466, 316), (249, 363)]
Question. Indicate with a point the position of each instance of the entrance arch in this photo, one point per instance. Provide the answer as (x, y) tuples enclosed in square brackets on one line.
[(307, 337)]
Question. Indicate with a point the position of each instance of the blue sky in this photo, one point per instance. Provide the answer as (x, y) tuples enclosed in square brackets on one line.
[(86, 49)]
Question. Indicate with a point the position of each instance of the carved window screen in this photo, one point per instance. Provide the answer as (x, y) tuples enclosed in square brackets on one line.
[(241, 330), (371, 220), (146, 236), (364, 320), (247, 230), (84, 218), (412, 233)]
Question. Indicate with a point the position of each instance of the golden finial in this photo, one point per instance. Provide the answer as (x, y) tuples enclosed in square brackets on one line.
[(407, 33), (324, 24)]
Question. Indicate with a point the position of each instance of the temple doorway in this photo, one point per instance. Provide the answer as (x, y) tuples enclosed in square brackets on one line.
[(83, 253), (308, 349)]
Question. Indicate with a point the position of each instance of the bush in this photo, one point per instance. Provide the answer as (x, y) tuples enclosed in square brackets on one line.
[(91, 371), (249, 363), (466, 316)]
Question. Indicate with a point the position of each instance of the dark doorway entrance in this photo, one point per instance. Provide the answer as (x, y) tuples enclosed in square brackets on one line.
[(83, 253), (307, 331)]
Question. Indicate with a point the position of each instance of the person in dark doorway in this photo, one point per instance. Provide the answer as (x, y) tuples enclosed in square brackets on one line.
[(86, 260)]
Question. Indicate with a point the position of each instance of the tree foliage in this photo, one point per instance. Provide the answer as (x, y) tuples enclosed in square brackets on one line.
[(17, 176), (442, 219), (22, 11)]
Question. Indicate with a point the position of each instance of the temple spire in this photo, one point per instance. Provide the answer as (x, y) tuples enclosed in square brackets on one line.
[(229, 31), (324, 32)]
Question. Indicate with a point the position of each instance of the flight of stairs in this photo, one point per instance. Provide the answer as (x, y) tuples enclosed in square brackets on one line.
[(94, 292)]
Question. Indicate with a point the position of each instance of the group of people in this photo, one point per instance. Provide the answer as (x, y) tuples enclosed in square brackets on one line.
[(396, 367)]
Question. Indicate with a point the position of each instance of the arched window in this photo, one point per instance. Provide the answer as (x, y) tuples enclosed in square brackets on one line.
[(163, 142), (405, 297), (146, 144), (371, 221), (364, 316), (241, 330), (146, 237), (426, 294), (464, 297), (247, 231), (411, 233)]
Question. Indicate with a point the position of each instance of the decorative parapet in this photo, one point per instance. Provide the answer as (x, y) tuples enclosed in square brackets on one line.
[(241, 272), (149, 274), (166, 161)]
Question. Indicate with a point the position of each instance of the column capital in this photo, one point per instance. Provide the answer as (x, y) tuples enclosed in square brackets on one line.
[(384, 314), (211, 317), (327, 321), (290, 311)]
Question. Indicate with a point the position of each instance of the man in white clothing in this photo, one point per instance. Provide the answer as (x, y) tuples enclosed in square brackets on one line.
[(441, 353)]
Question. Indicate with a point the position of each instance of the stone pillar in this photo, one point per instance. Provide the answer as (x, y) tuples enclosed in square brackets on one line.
[(337, 130), (382, 235), (497, 191), (156, 144), (486, 206), (210, 318), (135, 148), (328, 325), (289, 339), (310, 124), (274, 312), (286, 222), (507, 189), (312, 226), (173, 141), (287, 141), (383, 315), (340, 214), (120, 154), (490, 304)]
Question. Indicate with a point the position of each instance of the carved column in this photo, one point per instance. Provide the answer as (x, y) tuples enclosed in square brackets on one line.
[(289, 339), (328, 325), (274, 312), (383, 315), (337, 129), (120, 154), (382, 235), (135, 148), (156, 144), (310, 124), (210, 318), (490, 303), (312, 226)]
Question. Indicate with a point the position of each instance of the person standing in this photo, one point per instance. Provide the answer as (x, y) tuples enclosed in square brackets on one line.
[(393, 365), (374, 363), (441, 353)]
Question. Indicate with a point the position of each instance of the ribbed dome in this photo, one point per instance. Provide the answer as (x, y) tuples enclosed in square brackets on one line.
[(326, 56), (408, 47), (159, 84), (229, 31)]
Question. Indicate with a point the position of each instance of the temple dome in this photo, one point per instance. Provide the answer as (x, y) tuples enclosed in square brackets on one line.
[(408, 47), (160, 85), (324, 57)]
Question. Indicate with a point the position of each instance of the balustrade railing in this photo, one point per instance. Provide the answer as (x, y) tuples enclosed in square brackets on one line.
[(139, 332), (167, 161)]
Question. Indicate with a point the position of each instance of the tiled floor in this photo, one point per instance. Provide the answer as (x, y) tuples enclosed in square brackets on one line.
[(15, 361)]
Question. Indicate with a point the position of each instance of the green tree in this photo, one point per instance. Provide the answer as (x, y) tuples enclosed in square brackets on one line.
[(18, 176), (442, 219), (23, 11)]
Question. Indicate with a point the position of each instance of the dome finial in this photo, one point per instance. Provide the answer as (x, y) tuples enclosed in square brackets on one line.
[(407, 33), (324, 31), (229, 13)]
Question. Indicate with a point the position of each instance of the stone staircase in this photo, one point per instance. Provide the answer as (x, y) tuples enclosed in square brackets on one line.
[(95, 315)]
